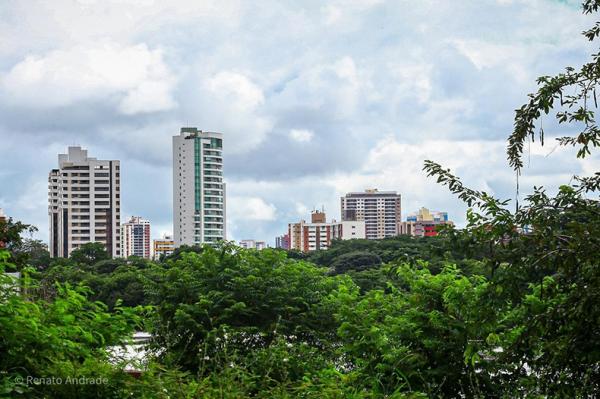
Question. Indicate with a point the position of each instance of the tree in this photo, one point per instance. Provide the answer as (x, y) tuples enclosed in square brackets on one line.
[(420, 336), (89, 254), (240, 299), (59, 338), (356, 261), (544, 255), (11, 239), (177, 253), (36, 252)]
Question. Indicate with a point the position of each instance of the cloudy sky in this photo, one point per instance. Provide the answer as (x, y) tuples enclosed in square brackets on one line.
[(315, 98)]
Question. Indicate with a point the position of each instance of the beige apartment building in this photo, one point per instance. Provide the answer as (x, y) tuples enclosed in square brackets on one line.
[(84, 203), (380, 210)]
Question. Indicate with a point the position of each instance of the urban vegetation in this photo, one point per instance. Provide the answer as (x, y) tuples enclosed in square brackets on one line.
[(505, 307)]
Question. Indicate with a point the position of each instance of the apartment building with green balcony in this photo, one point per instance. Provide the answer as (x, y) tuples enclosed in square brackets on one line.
[(198, 189)]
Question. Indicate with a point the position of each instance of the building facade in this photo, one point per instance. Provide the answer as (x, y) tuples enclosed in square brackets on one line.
[(380, 210), (424, 223), (318, 234), (84, 203), (282, 241), (253, 244), (198, 190), (163, 246), (135, 238)]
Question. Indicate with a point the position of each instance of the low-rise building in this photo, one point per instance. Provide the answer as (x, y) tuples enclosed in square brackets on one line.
[(282, 241), (253, 244), (163, 246), (423, 223), (318, 234)]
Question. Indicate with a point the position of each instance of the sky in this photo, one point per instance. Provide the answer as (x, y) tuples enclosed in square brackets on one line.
[(314, 98)]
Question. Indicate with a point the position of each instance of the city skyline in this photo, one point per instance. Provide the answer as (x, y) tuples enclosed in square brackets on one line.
[(66, 189), (315, 101)]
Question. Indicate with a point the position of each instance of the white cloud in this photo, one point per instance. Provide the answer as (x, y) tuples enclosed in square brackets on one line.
[(301, 135), (413, 80), (235, 89), (513, 57), (250, 209), (47, 24), (340, 10), (353, 71), (337, 86), (232, 103), (135, 77), (301, 209)]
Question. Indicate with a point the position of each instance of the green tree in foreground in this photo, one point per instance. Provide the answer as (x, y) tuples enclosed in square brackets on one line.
[(424, 337), (242, 299), (545, 259), (61, 338)]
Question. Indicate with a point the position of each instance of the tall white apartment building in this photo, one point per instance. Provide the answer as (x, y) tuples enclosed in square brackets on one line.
[(84, 203), (380, 210), (198, 188), (318, 234), (135, 238)]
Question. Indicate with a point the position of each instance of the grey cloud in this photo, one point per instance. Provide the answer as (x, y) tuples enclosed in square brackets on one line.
[(354, 73)]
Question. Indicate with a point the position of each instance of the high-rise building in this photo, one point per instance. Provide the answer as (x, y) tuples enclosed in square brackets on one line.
[(380, 210), (282, 241), (164, 246), (84, 203), (198, 188), (318, 234), (135, 238), (423, 223), (253, 244)]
